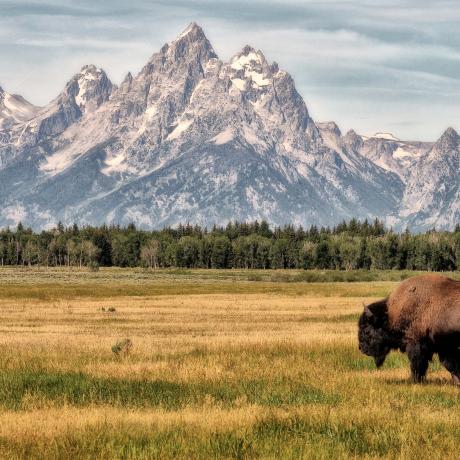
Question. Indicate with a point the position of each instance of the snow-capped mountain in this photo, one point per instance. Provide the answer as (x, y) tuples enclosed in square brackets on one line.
[(193, 138), (392, 154), (14, 109)]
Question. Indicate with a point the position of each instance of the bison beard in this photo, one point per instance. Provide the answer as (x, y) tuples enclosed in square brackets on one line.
[(407, 321)]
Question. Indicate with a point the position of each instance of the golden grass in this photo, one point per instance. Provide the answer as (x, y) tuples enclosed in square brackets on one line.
[(219, 369)]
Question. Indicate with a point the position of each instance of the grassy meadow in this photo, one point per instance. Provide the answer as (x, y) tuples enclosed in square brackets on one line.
[(222, 364)]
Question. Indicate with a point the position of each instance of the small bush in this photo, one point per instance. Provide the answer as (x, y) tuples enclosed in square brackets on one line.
[(122, 347)]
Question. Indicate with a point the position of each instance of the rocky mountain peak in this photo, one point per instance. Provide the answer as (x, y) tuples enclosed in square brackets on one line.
[(352, 134), (184, 58), (191, 43), (92, 88), (84, 93), (330, 126), (274, 68), (451, 132), (192, 32), (353, 141), (249, 58), (90, 69), (251, 70), (448, 141), (125, 85)]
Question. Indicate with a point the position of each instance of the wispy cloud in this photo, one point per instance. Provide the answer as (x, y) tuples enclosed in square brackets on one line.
[(368, 64)]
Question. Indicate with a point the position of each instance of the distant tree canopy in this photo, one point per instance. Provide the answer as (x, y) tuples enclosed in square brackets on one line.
[(347, 246)]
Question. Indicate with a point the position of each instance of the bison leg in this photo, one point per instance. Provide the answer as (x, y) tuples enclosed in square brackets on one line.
[(451, 361), (419, 356)]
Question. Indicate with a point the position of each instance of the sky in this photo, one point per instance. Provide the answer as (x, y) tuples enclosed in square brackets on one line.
[(368, 65)]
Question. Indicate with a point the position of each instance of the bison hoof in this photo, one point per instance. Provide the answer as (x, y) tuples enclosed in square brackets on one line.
[(455, 380)]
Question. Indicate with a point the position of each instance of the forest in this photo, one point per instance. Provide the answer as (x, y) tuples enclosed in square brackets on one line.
[(350, 245)]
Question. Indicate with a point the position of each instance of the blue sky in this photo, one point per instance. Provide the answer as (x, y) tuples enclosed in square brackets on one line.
[(381, 65)]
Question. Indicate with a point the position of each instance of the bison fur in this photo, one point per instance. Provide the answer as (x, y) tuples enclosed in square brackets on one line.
[(421, 317)]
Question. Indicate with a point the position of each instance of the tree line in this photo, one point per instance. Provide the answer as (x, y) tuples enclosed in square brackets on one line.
[(348, 246)]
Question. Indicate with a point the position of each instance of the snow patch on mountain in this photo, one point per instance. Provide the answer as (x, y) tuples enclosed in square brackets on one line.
[(224, 137), (239, 83), (181, 127), (386, 136), (115, 164)]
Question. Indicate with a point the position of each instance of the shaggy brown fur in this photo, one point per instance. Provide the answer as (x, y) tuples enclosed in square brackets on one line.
[(420, 317)]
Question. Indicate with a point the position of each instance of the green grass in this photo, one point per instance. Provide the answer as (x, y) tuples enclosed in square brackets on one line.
[(35, 275), (81, 390), (292, 438), (62, 291)]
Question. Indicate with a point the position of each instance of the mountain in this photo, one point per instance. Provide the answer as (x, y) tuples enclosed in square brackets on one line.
[(14, 109), (393, 154), (193, 138), (432, 196)]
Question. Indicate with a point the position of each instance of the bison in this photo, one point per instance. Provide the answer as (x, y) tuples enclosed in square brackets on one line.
[(420, 317)]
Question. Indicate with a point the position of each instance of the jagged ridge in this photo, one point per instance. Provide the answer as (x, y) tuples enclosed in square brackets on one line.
[(194, 138)]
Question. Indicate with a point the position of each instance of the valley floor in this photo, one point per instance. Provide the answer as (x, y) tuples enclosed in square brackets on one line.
[(223, 364)]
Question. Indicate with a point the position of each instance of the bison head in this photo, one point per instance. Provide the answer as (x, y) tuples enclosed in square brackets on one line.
[(374, 336)]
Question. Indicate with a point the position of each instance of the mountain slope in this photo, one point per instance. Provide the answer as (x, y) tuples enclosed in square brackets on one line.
[(432, 196), (393, 154), (192, 138)]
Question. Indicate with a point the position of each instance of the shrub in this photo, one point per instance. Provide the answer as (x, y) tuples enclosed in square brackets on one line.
[(122, 347)]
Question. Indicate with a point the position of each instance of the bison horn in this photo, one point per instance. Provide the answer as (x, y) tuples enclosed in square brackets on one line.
[(367, 312)]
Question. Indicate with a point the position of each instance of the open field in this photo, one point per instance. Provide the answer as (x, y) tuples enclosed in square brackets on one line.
[(224, 364)]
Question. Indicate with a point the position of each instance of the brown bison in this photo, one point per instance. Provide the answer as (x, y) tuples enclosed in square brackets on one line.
[(420, 317)]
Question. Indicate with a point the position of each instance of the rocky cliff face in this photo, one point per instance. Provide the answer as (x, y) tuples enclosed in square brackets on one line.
[(192, 138), (432, 197)]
